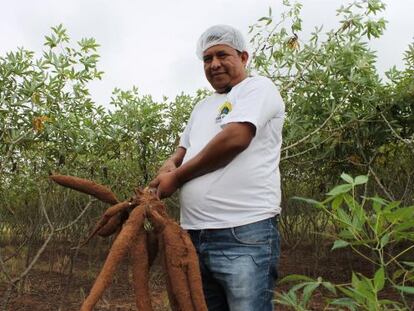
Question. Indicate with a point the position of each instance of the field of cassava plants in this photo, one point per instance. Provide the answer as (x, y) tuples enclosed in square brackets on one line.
[(347, 168)]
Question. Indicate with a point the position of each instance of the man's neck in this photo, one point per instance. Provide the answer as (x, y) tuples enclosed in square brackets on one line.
[(229, 87)]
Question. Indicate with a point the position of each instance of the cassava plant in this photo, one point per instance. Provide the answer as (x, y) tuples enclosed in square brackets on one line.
[(342, 114), (381, 232)]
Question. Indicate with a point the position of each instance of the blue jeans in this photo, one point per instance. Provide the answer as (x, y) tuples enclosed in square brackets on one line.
[(239, 265)]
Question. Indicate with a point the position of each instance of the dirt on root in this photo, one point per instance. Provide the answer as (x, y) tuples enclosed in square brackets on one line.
[(50, 286)]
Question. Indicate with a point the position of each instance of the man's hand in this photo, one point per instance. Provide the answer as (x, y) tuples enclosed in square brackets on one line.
[(166, 184), (167, 167)]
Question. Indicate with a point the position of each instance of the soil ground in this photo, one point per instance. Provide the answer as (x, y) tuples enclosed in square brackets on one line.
[(50, 285)]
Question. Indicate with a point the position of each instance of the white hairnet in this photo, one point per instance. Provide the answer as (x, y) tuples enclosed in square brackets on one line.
[(220, 34)]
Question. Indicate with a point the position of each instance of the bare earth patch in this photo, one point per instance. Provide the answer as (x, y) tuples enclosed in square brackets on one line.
[(47, 289)]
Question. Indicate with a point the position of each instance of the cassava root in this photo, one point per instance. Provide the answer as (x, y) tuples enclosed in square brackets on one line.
[(86, 186), (167, 238)]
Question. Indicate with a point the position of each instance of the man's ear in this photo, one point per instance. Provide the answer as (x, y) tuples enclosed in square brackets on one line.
[(244, 57)]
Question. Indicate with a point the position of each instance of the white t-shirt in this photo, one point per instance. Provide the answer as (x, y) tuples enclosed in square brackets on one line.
[(248, 188)]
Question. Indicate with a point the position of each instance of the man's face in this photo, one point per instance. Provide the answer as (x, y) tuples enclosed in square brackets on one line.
[(224, 66)]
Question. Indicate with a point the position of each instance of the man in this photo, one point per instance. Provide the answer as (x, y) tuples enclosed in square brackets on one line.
[(226, 167)]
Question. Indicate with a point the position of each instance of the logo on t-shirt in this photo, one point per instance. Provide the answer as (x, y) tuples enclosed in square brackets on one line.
[(223, 111)]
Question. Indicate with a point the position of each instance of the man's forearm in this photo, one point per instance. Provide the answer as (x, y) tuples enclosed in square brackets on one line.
[(219, 152), (173, 161), (178, 156)]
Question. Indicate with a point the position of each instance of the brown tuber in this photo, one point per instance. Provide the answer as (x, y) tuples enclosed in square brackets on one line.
[(113, 224), (181, 262), (86, 186), (140, 271), (174, 245), (116, 253)]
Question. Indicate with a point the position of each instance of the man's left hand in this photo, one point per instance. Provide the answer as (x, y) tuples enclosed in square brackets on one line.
[(166, 184)]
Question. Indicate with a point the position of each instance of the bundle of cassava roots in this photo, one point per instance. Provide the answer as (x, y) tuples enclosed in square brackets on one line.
[(127, 219)]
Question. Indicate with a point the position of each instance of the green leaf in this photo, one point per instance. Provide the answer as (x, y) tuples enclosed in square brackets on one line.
[(264, 18), (379, 279), (362, 179), (300, 286), (347, 178), (385, 239), (346, 302), (339, 244), (400, 214), (406, 289), (329, 287), (378, 203), (346, 234), (388, 302), (296, 277), (308, 290), (310, 201), (347, 291), (343, 216), (340, 189), (336, 203), (393, 205), (363, 288), (355, 280), (288, 299)]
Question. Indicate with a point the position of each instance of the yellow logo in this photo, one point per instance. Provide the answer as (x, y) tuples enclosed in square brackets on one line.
[(224, 109)]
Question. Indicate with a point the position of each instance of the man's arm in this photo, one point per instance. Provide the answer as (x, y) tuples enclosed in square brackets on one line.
[(173, 161), (221, 150)]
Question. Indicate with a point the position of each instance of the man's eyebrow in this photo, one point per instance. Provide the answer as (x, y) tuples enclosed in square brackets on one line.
[(216, 52)]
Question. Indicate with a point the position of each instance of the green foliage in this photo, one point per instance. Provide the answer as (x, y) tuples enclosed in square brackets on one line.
[(48, 122), (340, 115), (374, 229), (300, 302)]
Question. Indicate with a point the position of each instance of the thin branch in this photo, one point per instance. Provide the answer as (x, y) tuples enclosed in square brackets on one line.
[(298, 74), (15, 280), (4, 269), (390, 196), (363, 256), (16, 252), (34, 260), (399, 255), (407, 188), (364, 197), (43, 207), (18, 139), (319, 128), (43, 247), (311, 133), (77, 218), (305, 151), (393, 131)]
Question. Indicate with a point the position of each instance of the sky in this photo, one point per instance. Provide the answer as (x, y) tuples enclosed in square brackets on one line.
[(151, 44)]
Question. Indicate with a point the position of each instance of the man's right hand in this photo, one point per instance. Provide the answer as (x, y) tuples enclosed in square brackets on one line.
[(165, 184), (167, 167)]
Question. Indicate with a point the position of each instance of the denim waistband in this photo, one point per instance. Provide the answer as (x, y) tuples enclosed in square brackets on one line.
[(274, 219)]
